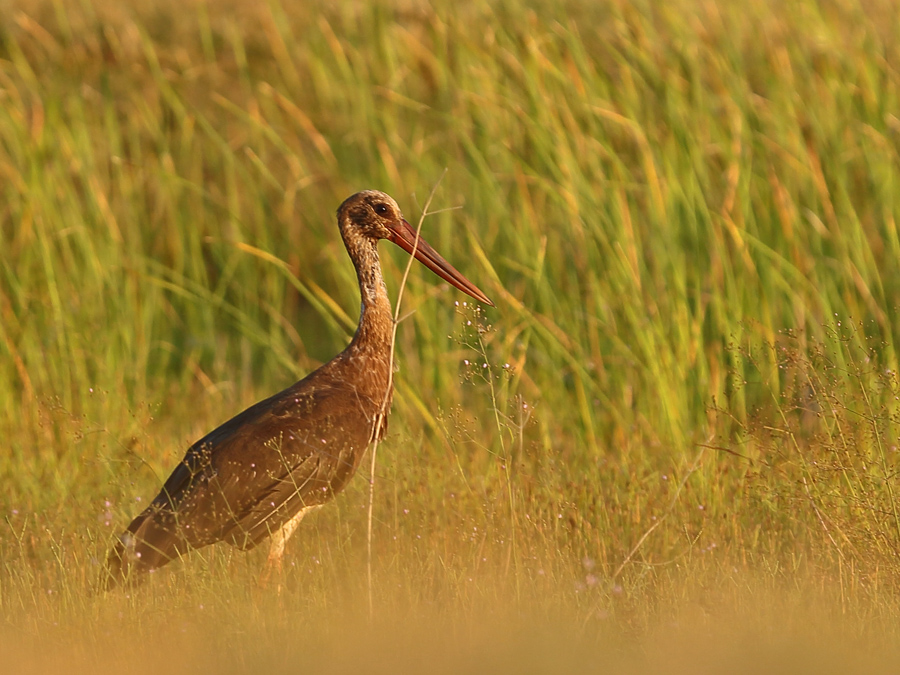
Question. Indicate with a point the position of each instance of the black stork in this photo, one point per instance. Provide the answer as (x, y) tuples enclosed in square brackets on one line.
[(261, 472)]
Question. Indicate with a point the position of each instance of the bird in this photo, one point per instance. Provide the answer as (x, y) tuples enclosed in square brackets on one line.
[(257, 475)]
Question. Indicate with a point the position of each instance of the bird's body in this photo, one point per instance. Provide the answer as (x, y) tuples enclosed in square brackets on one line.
[(259, 473)]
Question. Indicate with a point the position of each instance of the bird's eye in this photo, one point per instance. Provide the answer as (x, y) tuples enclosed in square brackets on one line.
[(381, 209)]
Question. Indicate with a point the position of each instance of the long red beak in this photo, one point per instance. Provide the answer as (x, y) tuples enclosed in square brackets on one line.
[(405, 237)]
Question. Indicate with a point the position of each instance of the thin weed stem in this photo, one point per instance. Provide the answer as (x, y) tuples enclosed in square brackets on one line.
[(381, 417), (507, 457)]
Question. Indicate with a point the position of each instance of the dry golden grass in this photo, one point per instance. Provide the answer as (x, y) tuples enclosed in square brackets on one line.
[(672, 446)]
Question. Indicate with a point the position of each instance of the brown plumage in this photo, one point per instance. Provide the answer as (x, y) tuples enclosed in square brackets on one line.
[(259, 473)]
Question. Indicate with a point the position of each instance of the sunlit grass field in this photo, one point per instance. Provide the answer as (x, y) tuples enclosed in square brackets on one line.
[(672, 445)]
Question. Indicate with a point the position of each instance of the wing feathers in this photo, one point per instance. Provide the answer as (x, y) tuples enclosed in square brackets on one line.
[(250, 476)]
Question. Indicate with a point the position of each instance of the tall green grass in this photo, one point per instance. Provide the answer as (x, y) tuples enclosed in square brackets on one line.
[(685, 213)]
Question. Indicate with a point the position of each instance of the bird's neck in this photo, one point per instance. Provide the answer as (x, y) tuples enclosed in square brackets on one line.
[(375, 319), (368, 356)]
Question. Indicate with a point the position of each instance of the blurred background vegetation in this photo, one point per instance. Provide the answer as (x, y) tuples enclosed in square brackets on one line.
[(687, 216)]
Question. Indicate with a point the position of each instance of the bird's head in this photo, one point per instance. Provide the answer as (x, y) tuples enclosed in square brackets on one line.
[(374, 215)]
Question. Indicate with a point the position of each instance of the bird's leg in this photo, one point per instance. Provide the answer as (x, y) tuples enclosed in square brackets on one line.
[(276, 549)]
